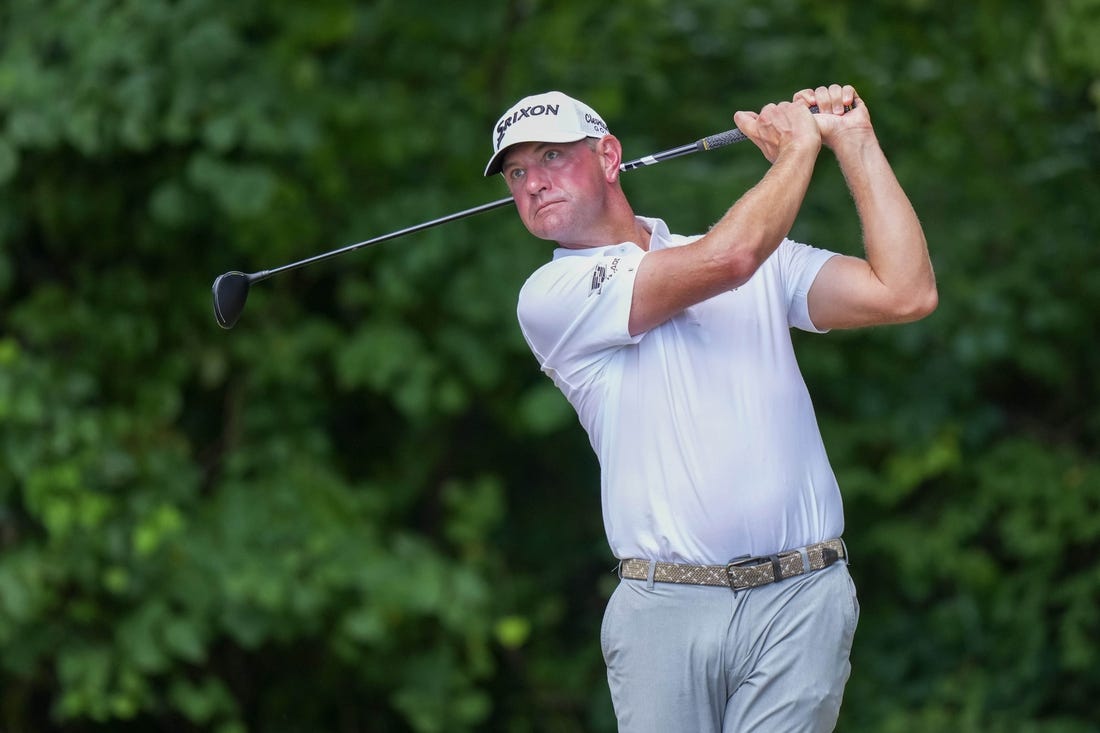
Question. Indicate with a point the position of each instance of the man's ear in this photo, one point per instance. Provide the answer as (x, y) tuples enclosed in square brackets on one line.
[(610, 151)]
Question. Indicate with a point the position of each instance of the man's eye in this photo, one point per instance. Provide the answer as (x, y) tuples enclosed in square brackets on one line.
[(552, 154), (516, 173)]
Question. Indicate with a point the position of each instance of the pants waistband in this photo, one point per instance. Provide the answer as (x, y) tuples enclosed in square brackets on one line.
[(740, 573)]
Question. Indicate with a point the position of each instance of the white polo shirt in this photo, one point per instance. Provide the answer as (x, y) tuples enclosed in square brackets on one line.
[(706, 437)]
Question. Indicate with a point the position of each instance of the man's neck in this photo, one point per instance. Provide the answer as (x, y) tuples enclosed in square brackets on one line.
[(632, 231)]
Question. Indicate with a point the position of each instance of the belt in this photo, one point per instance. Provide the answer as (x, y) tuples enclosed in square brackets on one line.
[(743, 572)]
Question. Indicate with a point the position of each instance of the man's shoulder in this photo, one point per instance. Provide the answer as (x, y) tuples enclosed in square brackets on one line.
[(549, 276), (563, 261), (577, 273), (566, 263)]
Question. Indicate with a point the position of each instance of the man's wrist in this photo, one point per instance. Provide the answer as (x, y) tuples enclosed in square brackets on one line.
[(853, 145), (804, 147)]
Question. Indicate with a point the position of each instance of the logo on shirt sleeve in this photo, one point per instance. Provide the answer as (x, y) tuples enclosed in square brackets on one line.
[(601, 274)]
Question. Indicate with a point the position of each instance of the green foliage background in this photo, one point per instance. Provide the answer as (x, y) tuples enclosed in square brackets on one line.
[(364, 509)]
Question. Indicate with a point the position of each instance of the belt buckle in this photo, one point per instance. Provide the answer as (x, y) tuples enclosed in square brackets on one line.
[(747, 561)]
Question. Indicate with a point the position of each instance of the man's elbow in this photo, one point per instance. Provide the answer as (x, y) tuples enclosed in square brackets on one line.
[(920, 305), (739, 266)]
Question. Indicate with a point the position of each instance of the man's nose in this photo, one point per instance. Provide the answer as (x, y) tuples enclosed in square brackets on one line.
[(537, 180)]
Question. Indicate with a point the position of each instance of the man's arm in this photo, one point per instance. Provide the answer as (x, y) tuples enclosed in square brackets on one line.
[(895, 282), (671, 280)]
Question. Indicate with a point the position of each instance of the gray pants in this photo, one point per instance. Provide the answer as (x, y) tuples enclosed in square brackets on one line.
[(708, 660)]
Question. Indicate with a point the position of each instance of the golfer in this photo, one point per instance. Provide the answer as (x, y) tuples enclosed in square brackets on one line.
[(735, 611)]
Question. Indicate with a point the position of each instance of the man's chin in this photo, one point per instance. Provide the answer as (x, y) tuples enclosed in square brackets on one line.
[(540, 230)]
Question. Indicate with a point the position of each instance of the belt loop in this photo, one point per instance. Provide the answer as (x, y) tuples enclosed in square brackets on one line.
[(649, 575), (777, 568), (847, 557), (805, 560)]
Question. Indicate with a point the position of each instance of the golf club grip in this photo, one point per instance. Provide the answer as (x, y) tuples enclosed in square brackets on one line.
[(723, 138), (735, 136)]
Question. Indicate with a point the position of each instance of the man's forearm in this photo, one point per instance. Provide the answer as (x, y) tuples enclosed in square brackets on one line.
[(894, 242), (754, 226)]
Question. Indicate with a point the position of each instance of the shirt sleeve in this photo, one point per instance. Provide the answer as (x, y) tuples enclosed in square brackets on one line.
[(574, 311), (800, 264)]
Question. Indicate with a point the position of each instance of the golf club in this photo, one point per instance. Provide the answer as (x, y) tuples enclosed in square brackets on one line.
[(231, 288)]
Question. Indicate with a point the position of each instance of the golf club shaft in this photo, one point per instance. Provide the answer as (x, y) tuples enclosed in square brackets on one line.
[(265, 274), (707, 143)]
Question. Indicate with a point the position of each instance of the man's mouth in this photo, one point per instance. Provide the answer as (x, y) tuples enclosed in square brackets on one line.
[(544, 206)]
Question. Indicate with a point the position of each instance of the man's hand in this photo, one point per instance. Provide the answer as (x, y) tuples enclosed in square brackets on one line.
[(834, 123), (778, 127)]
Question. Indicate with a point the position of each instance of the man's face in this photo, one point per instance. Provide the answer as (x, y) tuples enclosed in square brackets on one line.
[(559, 189)]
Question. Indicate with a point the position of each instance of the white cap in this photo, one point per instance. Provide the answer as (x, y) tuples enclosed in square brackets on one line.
[(550, 117)]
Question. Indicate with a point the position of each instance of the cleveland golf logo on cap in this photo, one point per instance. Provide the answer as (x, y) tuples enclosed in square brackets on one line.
[(597, 124), (550, 117)]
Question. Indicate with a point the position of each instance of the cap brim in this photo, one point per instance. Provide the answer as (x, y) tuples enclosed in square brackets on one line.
[(496, 163)]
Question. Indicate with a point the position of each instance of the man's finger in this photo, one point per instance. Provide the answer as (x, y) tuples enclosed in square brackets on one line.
[(746, 122)]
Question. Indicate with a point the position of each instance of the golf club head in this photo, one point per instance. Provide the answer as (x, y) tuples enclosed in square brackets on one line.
[(230, 293)]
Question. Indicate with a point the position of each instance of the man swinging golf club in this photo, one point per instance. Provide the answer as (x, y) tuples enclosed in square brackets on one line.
[(735, 611)]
